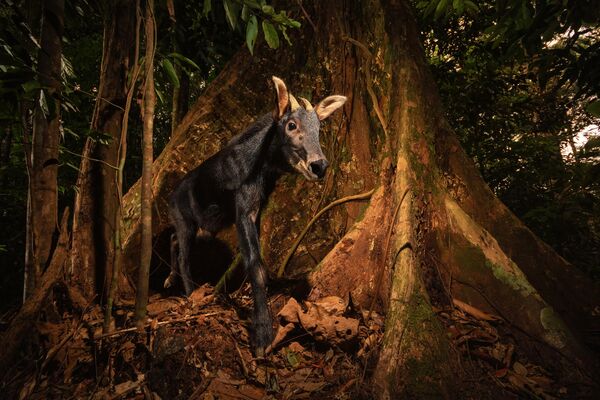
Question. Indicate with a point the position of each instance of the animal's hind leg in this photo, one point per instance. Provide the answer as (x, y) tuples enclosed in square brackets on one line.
[(185, 229), (185, 237), (170, 281)]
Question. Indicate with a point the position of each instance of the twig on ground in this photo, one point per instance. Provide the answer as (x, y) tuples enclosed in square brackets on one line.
[(161, 323)]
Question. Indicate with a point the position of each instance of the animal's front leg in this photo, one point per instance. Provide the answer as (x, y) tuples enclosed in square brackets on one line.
[(250, 249)]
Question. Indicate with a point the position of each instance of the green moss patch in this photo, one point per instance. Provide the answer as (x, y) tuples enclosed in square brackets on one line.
[(556, 330)]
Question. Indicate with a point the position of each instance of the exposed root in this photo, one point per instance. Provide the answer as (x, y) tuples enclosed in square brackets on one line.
[(385, 252), (356, 197)]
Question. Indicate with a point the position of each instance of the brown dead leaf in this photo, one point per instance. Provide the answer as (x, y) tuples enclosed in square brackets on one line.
[(127, 349), (311, 386), (162, 306), (332, 305), (328, 328), (53, 332), (368, 343), (201, 296), (542, 381), (520, 368), (289, 312), (474, 312), (252, 392), (510, 350), (297, 348), (224, 377), (119, 390), (518, 381), (28, 388), (322, 319), (282, 332)]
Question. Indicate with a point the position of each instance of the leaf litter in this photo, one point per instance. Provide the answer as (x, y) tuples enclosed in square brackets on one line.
[(485, 340), (195, 348), (199, 348)]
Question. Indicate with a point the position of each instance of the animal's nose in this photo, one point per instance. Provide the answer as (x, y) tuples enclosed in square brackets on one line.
[(319, 167)]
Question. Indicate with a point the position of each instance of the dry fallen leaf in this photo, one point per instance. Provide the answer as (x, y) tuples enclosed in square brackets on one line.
[(289, 312), (520, 368), (475, 312)]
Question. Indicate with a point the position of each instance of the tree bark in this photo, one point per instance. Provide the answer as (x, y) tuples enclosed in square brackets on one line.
[(432, 232), (43, 203), (97, 199), (24, 321), (141, 299)]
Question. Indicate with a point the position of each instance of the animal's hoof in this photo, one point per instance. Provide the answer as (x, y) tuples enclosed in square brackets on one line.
[(260, 352), (170, 281), (263, 338)]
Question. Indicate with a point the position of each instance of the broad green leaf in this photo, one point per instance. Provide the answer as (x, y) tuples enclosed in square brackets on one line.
[(270, 34), (159, 94), (268, 10), (440, 9), (70, 164), (71, 132), (207, 7), (184, 59), (245, 13), (251, 33), (459, 6), (252, 4), (285, 35), (171, 73), (594, 108), (470, 6), (30, 86), (231, 12), (592, 143), (292, 358), (430, 8)]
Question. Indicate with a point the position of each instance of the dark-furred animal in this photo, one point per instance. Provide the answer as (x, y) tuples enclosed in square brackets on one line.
[(233, 185)]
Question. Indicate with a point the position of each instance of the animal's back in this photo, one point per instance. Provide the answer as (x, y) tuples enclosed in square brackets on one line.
[(209, 188)]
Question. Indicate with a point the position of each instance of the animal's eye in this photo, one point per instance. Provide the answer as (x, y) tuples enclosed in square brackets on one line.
[(291, 126)]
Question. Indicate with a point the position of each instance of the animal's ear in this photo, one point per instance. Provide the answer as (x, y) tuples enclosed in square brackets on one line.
[(329, 105), (282, 98)]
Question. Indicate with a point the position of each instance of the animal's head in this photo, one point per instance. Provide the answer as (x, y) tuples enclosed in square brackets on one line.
[(299, 127)]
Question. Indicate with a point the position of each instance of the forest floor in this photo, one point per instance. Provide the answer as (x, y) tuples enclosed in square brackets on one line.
[(199, 348)]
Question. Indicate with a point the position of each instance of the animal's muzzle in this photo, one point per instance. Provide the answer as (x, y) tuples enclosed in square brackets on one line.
[(319, 167)]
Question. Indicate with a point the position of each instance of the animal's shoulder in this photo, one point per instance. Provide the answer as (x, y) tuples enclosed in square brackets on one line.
[(260, 126)]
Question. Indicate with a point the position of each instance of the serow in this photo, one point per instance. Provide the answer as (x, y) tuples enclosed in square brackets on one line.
[(233, 185)]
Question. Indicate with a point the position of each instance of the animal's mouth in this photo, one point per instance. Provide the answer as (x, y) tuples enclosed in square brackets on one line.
[(302, 167)]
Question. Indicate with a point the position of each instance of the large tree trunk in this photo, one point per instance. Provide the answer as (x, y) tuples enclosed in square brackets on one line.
[(432, 232), (42, 208), (97, 199)]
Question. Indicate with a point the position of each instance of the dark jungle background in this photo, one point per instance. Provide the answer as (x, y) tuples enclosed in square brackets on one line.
[(518, 80)]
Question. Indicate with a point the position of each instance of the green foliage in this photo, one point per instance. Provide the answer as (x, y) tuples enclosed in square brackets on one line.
[(437, 9), (270, 34), (594, 108), (251, 33), (515, 116), (251, 12), (170, 71)]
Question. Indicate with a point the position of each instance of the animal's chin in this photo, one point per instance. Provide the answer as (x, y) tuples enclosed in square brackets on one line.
[(301, 167)]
